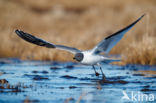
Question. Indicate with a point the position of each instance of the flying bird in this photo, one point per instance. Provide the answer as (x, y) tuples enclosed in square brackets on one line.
[(89, 57)]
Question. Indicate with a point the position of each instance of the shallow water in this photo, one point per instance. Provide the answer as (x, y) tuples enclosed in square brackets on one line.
[(47, 82)]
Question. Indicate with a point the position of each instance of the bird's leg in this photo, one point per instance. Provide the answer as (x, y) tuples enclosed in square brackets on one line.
[(96, 73), (104, 77)]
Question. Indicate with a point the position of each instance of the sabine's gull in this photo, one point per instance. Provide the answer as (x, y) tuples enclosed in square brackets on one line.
[(89, 57)]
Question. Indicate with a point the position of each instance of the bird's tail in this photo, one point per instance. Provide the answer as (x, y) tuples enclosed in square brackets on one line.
[(109, 60)]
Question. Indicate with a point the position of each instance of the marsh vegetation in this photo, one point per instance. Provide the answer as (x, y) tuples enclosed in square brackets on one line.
[(75, 23)]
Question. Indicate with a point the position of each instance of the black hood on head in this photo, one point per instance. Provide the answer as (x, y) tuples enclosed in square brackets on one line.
[(78, 57)]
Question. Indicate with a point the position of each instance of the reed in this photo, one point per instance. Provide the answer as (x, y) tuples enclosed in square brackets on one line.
[(79, 24)]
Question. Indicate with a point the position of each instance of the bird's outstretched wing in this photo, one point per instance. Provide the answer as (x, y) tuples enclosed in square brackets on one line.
[(35, 40), (109, 42)]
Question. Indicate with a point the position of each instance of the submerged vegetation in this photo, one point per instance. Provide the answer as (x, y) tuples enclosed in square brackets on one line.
[(75, 23)]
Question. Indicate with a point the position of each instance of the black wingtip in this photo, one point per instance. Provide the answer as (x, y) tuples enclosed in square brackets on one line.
[(32, 39), (129, 26), (17, 31), (138, 19), (142, 16)]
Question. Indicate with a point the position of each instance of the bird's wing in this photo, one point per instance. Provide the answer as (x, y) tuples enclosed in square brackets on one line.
[(35, 40), (109, 42)]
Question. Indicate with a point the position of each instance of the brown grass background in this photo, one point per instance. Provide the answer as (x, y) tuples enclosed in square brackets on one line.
[(78, 23)]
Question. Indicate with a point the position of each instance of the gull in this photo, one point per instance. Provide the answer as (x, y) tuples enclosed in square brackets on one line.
[(90, 57)]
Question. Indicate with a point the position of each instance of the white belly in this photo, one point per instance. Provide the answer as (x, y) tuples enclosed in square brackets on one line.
[(90, 59)]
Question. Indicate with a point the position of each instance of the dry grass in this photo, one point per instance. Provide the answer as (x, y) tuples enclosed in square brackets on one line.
[(142, 52), (75, 23)]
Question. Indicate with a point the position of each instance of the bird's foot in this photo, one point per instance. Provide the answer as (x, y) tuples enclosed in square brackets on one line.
[(97, 74), (104, 78)]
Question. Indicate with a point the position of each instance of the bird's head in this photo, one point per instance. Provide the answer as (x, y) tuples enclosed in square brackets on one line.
[(78, 57)]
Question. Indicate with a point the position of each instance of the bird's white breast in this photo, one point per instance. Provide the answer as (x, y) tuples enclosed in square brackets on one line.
[(91, 59)]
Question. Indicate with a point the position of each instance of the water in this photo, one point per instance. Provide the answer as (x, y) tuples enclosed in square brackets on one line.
[(59, 82)]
